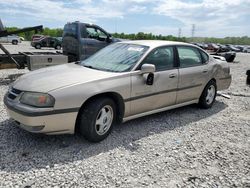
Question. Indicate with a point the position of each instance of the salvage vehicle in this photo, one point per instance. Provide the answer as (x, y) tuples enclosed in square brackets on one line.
[(14, 39), (123, 81), (49, 42)]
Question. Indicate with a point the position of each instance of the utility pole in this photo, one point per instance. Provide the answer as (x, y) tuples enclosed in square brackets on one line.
[(179, 33), (193, 30)]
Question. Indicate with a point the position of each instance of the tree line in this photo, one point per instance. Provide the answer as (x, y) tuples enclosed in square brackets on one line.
[(46, 31), (245, 40)]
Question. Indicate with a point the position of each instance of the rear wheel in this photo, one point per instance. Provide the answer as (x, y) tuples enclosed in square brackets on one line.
[(14, 42), (208, 95), (97, 119)]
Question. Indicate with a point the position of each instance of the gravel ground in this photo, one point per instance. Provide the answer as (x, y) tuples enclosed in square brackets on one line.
[(185, 147)]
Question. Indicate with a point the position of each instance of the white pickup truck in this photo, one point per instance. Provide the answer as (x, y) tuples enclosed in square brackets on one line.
[(14, 39)]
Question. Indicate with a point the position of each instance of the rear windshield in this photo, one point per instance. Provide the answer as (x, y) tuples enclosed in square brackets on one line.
[(70, 30)]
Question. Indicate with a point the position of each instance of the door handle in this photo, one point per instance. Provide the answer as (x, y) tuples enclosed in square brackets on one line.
[(172, 75), (205, 71)]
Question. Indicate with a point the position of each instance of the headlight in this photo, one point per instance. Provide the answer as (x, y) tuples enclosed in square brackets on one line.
[(41, 100)]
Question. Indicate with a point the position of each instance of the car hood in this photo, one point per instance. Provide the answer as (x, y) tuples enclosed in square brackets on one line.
[(51, 78)]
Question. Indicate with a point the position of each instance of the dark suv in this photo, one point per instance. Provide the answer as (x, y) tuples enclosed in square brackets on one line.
[(50, 42)]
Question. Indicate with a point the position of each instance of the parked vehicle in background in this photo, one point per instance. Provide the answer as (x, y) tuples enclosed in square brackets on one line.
[(232, 48), (201, 45), (36, 37), (239, 47), (123, 81), (81, 40), (212, 47), (246, 49), (223, 48), (14, 39), (50, 42)]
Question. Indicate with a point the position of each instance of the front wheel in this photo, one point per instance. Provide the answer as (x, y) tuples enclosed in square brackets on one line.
[(208, 95), (97, 119), (38, 46)]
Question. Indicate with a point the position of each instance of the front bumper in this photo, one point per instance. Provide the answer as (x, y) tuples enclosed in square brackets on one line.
[(41, 120)]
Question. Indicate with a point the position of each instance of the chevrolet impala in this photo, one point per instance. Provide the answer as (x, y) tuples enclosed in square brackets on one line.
[(123, 81)]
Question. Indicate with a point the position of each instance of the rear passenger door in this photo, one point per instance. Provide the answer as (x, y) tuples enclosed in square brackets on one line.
[(163, 91), (193, 73)]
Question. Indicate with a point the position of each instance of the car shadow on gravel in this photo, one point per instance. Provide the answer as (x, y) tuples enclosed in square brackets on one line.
[(23, 151)]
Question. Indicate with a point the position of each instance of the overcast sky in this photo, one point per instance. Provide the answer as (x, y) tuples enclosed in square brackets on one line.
[(212, 18)]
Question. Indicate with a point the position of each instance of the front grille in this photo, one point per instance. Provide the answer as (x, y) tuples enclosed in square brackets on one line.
[(16, 91), (13, 93), (11, 96)]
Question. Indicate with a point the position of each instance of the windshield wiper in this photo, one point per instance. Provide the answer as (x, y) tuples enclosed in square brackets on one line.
[(88, 66), (91, 67)]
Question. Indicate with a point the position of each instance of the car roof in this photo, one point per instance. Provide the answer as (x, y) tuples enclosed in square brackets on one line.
[(155, 43)]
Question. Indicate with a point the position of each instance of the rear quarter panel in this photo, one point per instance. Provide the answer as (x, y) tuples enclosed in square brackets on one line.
[(221, 73)]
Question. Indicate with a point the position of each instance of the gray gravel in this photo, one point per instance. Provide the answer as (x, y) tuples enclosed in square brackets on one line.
[(185, 147)]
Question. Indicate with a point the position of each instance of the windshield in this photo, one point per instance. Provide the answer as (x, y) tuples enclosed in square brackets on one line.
[(118, 57)]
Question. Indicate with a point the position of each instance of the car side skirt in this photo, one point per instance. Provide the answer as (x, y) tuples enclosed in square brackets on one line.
[(160, 110)]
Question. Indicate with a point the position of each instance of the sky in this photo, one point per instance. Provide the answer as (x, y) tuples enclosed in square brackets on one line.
[(212, 18)]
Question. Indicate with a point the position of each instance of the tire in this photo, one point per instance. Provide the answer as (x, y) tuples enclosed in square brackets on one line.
[(38, 46), (208, 95), (14, 42), (97, 119), (58, 47)]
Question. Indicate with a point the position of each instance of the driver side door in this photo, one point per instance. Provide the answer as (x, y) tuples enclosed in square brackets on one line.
[(163, 91)]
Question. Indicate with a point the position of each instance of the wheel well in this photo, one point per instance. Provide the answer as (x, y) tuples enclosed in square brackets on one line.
[(213, 80), (117, 98)]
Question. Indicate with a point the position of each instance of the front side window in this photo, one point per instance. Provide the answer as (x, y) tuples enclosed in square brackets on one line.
[(189, 56), (162, 58), (118, 57), (96, 33)]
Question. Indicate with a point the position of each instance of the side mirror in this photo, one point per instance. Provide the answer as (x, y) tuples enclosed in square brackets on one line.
[(150, 69), (109, 38), (147, 68)]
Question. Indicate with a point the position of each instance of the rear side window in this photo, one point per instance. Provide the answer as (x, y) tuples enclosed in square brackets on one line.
[(204, 56), (189, 56), (70, 30), (162, 58)]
